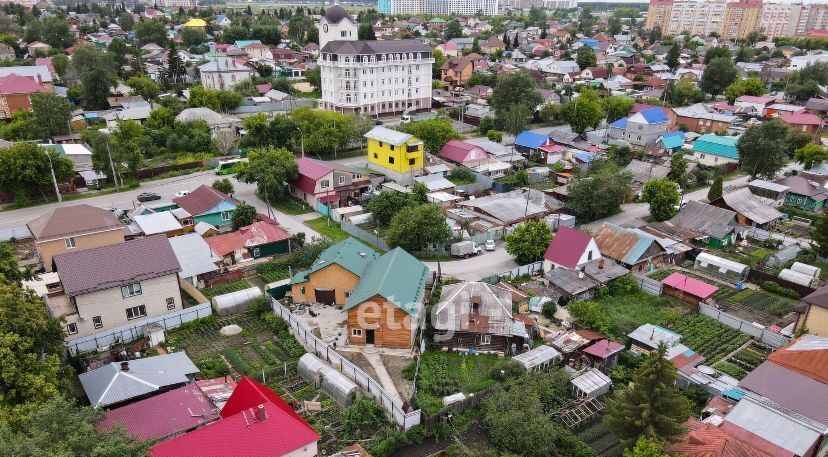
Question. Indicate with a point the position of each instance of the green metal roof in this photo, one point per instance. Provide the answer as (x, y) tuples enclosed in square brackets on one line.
[(396, 276), (723, 146), (349, 254)]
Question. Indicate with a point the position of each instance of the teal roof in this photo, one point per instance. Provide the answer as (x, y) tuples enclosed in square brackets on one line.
[(723, 146), (349, 254), (396, 276)]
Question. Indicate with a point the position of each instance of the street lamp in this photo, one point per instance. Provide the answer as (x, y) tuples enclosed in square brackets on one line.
[(54, 180), (302, 136)]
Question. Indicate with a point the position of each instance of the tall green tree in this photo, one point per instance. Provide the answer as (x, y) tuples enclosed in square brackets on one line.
[(56, 32), (819, 235), (366, 32), (223, 185), (387, 204), (616, 107), (528, 241), (516, 118), (645, 447), (414, 227), (96, 73), (176, 70), (314, 77), (678, 169), (59, 427), (715, 191), (516, 88), (270, 169), (717, 52), (144, 86), (50, 115), (751, 86), (663, 196), (600, 194), (453, 30), (811, 154), (585, 57), (653, 407), (151, 32), (24, 167), (243, 216), (434, 133), (720, 73), (9, 269), (763, 150), (584, 112), (673, 56)]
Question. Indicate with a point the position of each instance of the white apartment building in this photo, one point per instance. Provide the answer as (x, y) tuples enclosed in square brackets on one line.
[(447, 7), (790, 19), (699, 18), (371, 77)]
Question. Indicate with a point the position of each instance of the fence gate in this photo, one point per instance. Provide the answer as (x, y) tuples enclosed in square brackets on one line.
[(651, 286)]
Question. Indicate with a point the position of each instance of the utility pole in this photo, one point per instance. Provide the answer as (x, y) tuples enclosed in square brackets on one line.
[(302, 139), (112, 165), (54, 180)]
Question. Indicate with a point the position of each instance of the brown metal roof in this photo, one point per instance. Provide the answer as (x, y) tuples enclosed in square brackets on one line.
[(72, 220), (200, 200), (111, 266), (790, 389), (818, 297)]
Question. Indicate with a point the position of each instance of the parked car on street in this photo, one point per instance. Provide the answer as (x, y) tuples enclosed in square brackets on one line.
[(148, 197), (182, 193), (465, 249), (490, 245)]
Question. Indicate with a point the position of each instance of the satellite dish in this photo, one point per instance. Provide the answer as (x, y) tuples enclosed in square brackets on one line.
[(704, 369)]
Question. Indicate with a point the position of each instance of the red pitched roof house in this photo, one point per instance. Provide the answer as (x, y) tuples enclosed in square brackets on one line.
[(570, 249), (687, 289), (318, 183), (259, 239), (459, 152), (15, 92), (804, 121), (255, 422), (707, 440), (208, 205)]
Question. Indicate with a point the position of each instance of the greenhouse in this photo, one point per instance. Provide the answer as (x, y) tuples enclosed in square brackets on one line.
[(235, 302), (809, 270), (798, 278), (335, 384), (539, 358), (719, 266), (591, 384), (789, 252)]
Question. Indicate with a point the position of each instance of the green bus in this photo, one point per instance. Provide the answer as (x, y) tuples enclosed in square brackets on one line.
[(228, 167)]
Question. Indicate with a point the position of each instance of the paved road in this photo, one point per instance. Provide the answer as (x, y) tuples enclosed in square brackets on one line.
[(476, 268), (167, 189)]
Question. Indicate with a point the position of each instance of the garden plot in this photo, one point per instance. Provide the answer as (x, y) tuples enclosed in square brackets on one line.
[(743, 362), (709, 337), (760, 306)]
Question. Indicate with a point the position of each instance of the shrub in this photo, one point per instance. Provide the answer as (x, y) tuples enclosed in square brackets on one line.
[(549, 309), (775, 288), (495, 136)]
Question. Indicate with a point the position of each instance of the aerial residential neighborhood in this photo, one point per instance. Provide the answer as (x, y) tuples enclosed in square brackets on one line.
[(411, 228)]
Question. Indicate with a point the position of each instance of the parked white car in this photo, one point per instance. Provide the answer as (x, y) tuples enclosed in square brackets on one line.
[(490, 245), (182, 193)]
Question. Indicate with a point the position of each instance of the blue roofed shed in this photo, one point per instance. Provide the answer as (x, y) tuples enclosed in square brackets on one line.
[(530, 143)]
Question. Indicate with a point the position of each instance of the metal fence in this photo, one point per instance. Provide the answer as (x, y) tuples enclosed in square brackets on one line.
[(651, 286), (530, 269), (368, 237), (774, 339), (372, 387), (135, 330)]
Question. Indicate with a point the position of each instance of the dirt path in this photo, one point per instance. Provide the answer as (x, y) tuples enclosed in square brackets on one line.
[(383, 377)]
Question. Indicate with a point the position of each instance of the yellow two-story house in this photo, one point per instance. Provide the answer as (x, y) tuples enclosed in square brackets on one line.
[(397, 155)]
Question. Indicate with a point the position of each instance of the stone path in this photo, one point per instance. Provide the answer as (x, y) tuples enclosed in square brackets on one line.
[(384, 378)]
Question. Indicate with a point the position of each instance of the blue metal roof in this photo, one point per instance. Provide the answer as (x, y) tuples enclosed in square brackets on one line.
[(733, 393), (723, 146), (672, 140), (620, 123), (654, 115), (586, 156), (531, 140)]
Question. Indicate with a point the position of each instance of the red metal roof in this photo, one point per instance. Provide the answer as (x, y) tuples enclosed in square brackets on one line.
[(309, 172), (460, 151), (810, 361), (243, 431), (604, 348), (16, 84), (255, 234), (553, 148), (690, 285), (164, 415), (706, 440), (801, 118), (200, 200), (567, 247)]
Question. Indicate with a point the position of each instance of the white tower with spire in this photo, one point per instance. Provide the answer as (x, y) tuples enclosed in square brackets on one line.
[(337, 25)]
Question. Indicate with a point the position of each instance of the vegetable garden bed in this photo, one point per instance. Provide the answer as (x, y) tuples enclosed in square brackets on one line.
[(226, 288), (709, 337)]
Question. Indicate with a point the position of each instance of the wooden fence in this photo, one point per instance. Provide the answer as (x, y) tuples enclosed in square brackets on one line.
[(155, 171), (458, 407)]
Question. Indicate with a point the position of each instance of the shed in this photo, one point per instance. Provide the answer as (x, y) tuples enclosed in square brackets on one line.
[(687, 289), (346, 212), (539, 358), (235, 302), (591, 384), (721, 267)]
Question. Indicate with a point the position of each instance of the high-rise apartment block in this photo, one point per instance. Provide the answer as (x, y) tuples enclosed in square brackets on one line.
[(736, 19), (433, 7)]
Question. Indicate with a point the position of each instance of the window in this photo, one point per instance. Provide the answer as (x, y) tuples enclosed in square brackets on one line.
[(348, 293), (225, 216), (72, 328), (341, 180), (302, 290), (485, 339), (356, 332), (187, 222), (70, 242), (589, 255), (257, 252), (376, 156), (412, 162), (97, 322), (131, 290), (170, 303), (390, 160), (325, 183), (136, 312), (392, 147)]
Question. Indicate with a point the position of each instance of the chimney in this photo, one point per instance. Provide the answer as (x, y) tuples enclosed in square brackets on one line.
[(601, 264), (124, 366), (261, 415), (580, 274), (39, 79)]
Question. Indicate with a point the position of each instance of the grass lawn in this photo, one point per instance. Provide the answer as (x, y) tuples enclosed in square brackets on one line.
[(443, 373), (333, 231), (630, 311), (73, 197), (293, 207)]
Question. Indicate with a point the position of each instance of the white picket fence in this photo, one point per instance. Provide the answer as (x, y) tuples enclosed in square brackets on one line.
[(372, 387)]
